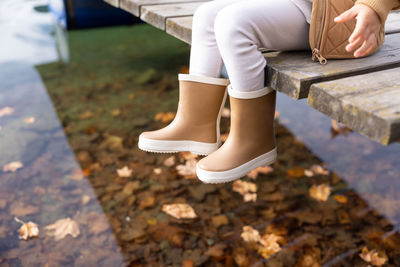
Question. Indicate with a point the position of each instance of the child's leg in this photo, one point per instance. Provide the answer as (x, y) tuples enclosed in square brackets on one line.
[(241, 29), (205, 58)]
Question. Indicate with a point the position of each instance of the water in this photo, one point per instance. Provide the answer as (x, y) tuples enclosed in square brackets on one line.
[(118, 80)]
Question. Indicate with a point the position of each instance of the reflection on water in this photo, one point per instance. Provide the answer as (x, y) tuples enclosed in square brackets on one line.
[(369, 168), (105, 103), (49, 187)]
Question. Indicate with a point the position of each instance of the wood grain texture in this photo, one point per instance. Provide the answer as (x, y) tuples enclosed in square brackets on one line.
[(157, 15), (114, 3), (134, 6), (180, 28), (368, 104), (292, 73)]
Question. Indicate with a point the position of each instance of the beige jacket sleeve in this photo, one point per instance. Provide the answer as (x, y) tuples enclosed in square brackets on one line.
[(382, 7)]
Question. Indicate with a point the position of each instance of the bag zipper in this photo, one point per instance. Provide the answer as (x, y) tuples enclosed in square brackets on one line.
[(316, 53)]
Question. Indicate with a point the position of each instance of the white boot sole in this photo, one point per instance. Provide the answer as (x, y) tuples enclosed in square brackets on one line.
[(164, 146), (211, 177)]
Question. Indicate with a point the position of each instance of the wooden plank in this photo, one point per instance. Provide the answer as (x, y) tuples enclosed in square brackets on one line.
[(158, 14), (114, 3), (180, 28), (134, 6), (292, 73), (368, 104), (393, 23)]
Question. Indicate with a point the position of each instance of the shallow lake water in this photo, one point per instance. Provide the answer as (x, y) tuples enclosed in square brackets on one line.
[(72, 127)]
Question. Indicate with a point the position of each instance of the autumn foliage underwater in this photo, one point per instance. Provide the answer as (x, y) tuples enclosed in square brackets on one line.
[(122, 81)]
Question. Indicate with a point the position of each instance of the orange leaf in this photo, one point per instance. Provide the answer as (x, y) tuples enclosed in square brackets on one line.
[(164, 117), (296, 172), (179, 211), (340, 198), (250, 234), (320, 192)]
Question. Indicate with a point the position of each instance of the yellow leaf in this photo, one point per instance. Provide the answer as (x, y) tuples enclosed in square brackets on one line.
[(320, 192), (179, 211), (13, 166), (27, 230), (124, 172), (249, 234), (164, 117), (340, 198), (62, 228)]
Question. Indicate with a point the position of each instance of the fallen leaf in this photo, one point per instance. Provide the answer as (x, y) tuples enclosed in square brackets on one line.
[(338, 128), (130, 187), (319, 170), (250, 197), (269, 245), (320, 192), (216, 250), (76, 175), (263, 170), (340, 198), (250, 235), (296, 172), (276, 115), (157, 171), (164, 117), (372, 257), (21, 209), (115, 112), (30, 120), (187, 263), (226, 113), (27, 230), (219, 220), (147, 202), (187, 155), (179, 211), (112, 142), (85, 199), (86, 115), (246, 189), (188, 170), (62, 228), (13, 166), (169, 162), (6, 111), (124, 172)]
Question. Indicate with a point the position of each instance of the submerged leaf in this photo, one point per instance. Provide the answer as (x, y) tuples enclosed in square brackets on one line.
[(164, 117), (13, 166), (62, 228), (372, 257), (320, 192), (6, 111), (30, 120), (263, 170), (250, 234), (124, 172), (188, 170), (179, 211), (27, 230)]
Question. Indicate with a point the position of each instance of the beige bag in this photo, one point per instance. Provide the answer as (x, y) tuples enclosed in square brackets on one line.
[(328, 39)]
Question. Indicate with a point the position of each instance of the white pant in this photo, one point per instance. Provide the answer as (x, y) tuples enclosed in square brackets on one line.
[(231, 32)]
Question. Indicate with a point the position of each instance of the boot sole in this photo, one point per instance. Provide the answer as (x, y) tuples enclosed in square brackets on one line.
[(162, 146), (211, 177)]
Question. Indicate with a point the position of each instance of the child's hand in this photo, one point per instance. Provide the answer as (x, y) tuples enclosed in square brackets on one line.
[(366, 32)]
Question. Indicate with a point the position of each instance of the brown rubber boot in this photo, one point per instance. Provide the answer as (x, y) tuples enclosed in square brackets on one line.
[(251, 140), (195, 127)]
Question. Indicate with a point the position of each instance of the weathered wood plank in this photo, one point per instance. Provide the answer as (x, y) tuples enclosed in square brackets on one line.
[(158, 14), (393, 23), (368, 104), (134, 6), (180, 28), (292, 73), (114, 3)]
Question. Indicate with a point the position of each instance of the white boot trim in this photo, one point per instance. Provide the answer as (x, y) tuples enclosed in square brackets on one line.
[(248, 95), (172, 146), (238, 172), (203, 79)]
